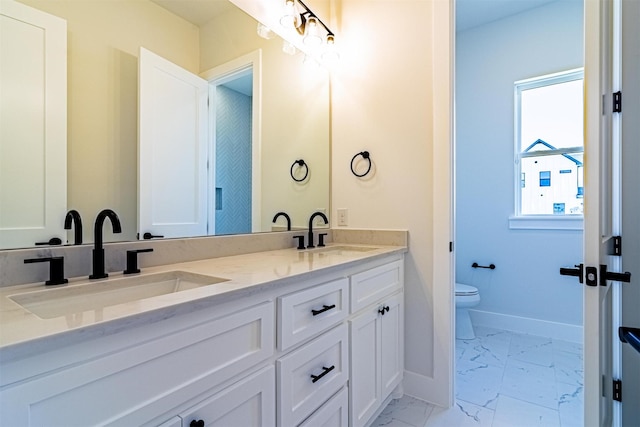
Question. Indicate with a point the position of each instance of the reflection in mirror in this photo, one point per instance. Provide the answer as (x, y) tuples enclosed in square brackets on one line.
[(104, 39)]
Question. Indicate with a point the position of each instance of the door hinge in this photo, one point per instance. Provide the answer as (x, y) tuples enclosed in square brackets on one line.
[(617, 102), (617, 390), (616, 246)]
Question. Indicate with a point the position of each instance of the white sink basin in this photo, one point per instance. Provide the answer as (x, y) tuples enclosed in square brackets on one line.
[(56, 302)]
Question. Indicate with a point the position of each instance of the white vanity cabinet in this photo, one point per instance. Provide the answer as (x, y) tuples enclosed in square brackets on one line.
[(133, 377), (320, 351), (376, 333)]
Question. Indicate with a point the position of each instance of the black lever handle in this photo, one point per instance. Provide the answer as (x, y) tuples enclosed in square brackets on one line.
[(132, 260), (53, 242), (147, 236), (300, 242), (325, 371), (323, 309), (576, 272), (56, 269)]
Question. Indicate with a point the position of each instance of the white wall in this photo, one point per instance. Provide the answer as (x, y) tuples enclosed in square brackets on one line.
[(489, 59), (391, 98)]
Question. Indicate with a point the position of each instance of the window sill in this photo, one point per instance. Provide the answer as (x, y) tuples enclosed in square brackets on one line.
[(547, 222)]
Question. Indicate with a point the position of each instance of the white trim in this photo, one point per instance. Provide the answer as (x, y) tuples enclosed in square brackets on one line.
[(222, 74), (547, 222), (422, 387), (527, 325)]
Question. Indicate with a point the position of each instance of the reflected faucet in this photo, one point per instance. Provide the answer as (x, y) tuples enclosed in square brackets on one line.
[(74, 216), (313, 216), (284, 214), (98, 251)]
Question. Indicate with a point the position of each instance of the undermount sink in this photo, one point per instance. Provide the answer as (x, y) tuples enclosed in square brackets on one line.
[(343, 250), (56, 302)]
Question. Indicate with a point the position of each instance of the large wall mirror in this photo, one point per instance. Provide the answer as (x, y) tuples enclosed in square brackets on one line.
[(104, 38)]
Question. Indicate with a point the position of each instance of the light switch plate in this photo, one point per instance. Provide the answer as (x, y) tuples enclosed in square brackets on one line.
[(343, 217)]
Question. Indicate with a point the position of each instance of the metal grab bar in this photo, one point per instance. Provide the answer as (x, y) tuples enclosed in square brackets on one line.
[(630, 336)]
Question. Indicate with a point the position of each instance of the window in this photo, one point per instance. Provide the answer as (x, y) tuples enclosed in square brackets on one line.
[(549, 145)]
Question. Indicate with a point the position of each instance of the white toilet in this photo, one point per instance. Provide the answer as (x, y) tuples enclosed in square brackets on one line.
[(466, 297)]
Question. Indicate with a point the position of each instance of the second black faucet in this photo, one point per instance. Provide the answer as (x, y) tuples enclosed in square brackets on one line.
[(98, 250), (313, 216)]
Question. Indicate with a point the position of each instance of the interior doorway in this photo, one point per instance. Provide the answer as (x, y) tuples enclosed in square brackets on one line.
[(525, 362)]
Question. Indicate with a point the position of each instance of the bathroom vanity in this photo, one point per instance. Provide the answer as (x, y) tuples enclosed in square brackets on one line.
[(284, 338)]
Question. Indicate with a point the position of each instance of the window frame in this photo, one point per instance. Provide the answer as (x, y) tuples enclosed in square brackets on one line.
[(539, 221)]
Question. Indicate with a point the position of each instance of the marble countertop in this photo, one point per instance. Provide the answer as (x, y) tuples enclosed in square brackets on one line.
[(244, 273)]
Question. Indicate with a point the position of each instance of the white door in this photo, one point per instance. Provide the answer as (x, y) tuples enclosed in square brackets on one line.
[(602, 212), (172, 149), (33, 125)]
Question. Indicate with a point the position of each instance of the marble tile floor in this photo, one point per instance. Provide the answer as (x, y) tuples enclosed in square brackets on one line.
[(503, 379)]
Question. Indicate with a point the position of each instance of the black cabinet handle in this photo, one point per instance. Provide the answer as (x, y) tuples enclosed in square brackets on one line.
[(325, 371), (52, 242), (384, 309), (323, 309), (198, 423), (147, 236)]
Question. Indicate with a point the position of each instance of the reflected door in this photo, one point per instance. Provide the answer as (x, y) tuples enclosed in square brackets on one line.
[(33, 125), (172, 149)]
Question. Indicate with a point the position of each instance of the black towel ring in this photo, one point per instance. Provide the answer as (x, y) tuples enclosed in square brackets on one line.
[(300, 163), (365, 155)]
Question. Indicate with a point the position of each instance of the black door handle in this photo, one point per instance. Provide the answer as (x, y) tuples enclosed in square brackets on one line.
[(53, 241), (147, 236), (576, 272), (616, 277)]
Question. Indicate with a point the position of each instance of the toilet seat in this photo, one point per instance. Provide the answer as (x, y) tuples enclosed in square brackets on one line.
[(465, 290)]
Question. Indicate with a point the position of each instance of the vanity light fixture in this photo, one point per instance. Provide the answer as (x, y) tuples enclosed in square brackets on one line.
[(306, 23)]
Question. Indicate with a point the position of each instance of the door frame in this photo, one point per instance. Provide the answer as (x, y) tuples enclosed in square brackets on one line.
[(217, 76)]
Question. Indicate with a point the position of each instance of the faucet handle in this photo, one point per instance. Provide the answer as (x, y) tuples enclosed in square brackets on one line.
[(321, 239), (132, 260), (51, 242), (56, 269), (300, 241)]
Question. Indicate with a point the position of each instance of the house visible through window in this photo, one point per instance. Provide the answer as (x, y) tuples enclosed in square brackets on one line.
[(549, 144)]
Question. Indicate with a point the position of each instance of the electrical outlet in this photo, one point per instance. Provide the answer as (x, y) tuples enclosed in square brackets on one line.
[(343, 217)]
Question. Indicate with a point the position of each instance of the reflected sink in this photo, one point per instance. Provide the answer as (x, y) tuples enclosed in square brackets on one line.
[(343, 250), (56, 302)]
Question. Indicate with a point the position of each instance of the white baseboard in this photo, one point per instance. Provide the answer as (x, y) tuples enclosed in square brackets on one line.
[(526, 325)]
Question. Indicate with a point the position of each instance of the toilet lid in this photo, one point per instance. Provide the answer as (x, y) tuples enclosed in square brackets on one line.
[(465, 290)]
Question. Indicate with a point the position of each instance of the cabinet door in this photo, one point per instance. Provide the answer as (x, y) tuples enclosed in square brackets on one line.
[(392, 344), (250, 402), (364, 391)]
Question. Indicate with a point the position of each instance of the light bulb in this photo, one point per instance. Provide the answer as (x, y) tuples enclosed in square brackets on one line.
[(288, 19), (330, 54), (311, 35)]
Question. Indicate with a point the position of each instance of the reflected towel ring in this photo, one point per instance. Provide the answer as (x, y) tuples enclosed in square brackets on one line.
[(300, 163), (365, 155)]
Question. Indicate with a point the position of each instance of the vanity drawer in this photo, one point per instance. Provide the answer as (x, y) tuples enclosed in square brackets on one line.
[(310, 375), (372, 285), (304, 314), (334, 413)]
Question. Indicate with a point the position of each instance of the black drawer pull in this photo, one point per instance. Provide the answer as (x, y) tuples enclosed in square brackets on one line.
[(196, 423), (326, 370), (324, 308)]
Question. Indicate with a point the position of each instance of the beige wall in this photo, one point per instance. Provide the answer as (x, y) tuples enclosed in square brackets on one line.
[(295, 116), (388, 97), (103, 42)]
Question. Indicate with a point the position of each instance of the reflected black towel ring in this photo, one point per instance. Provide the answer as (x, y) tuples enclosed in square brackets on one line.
[(365, 155), (300, 163)]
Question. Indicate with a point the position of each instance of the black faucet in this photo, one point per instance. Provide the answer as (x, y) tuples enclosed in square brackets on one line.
[(313, 216), (98, 251), (284, 214), (74, 215)]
